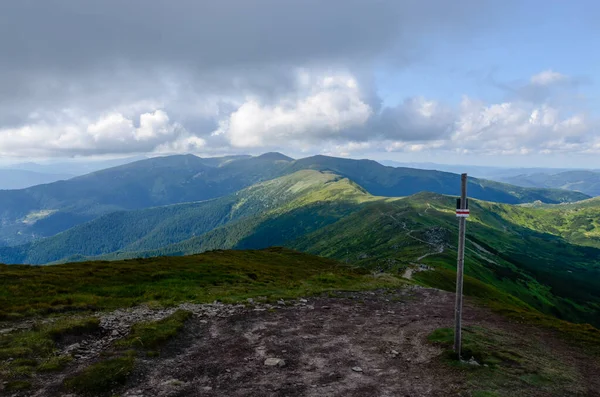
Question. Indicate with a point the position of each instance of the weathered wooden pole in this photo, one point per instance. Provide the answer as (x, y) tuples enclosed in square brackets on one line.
[(462, 213)]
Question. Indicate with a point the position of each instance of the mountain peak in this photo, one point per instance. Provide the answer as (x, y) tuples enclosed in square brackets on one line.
[(274, 156)]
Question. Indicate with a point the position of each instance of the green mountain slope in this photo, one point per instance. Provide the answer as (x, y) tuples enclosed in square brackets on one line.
[(543, 270), (578, 223), (45, 210), (587, 182), (154, 228), (397, 182)]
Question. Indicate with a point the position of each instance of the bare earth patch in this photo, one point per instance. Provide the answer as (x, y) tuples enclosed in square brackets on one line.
[(349, 344)]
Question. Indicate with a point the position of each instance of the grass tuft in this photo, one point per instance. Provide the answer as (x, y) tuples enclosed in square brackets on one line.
[(55, 363), (18, 385), (34, 350), (102, 376), (70, 327), (151, 335), (508, 362)]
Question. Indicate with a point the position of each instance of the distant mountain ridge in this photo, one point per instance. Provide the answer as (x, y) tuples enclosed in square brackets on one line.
[(21, 179), (74, 166), (45, 210), (587, 182)]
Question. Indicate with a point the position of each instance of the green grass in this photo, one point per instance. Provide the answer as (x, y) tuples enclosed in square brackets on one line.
[(509, 364), (55, 363), (506, 261), (153, 334), (112, 372), (102, 377), (18, 385), (229, 276), (69, 326), (584, 335), (500, 302), (446, 279), (35, 350)]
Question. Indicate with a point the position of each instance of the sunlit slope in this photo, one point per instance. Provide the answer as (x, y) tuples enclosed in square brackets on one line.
[(541, 269), (151, 229), (578, 223), (394, 235)]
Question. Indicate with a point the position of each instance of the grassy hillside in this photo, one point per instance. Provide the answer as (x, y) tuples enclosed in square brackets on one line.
[(504, 259), (126, 232), (543, 270), (578, 223), (229, 276), (380, 180), (45, 210)]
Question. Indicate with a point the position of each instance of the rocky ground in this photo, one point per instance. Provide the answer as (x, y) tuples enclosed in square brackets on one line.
[(348, 344)]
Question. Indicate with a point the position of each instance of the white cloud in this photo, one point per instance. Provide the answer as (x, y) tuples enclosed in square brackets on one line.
[(320, 111), (69, 132), (346, 149), (548, 77), (184, 144), (519, 128), (416, 119), (325, 108)]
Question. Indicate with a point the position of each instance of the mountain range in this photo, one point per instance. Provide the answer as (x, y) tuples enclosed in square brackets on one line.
[(540, 247), (45, 210), (581, 180), (545, 255)]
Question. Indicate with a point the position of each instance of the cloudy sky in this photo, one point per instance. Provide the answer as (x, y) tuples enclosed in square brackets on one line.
[(464, 81)]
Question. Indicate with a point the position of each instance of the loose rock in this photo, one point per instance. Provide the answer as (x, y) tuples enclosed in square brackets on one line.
[(274, 362)]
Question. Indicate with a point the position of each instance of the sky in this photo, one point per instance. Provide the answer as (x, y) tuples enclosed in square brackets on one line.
[(510, 83)]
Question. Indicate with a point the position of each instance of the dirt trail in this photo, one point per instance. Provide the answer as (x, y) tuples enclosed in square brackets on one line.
[(355, 344), (439, 248)]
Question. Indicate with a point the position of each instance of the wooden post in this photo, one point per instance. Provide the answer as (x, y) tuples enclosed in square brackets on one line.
[(460, 269)]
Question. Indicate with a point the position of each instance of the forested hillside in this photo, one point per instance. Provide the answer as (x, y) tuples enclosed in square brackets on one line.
[(126, 232), (45, 210)]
